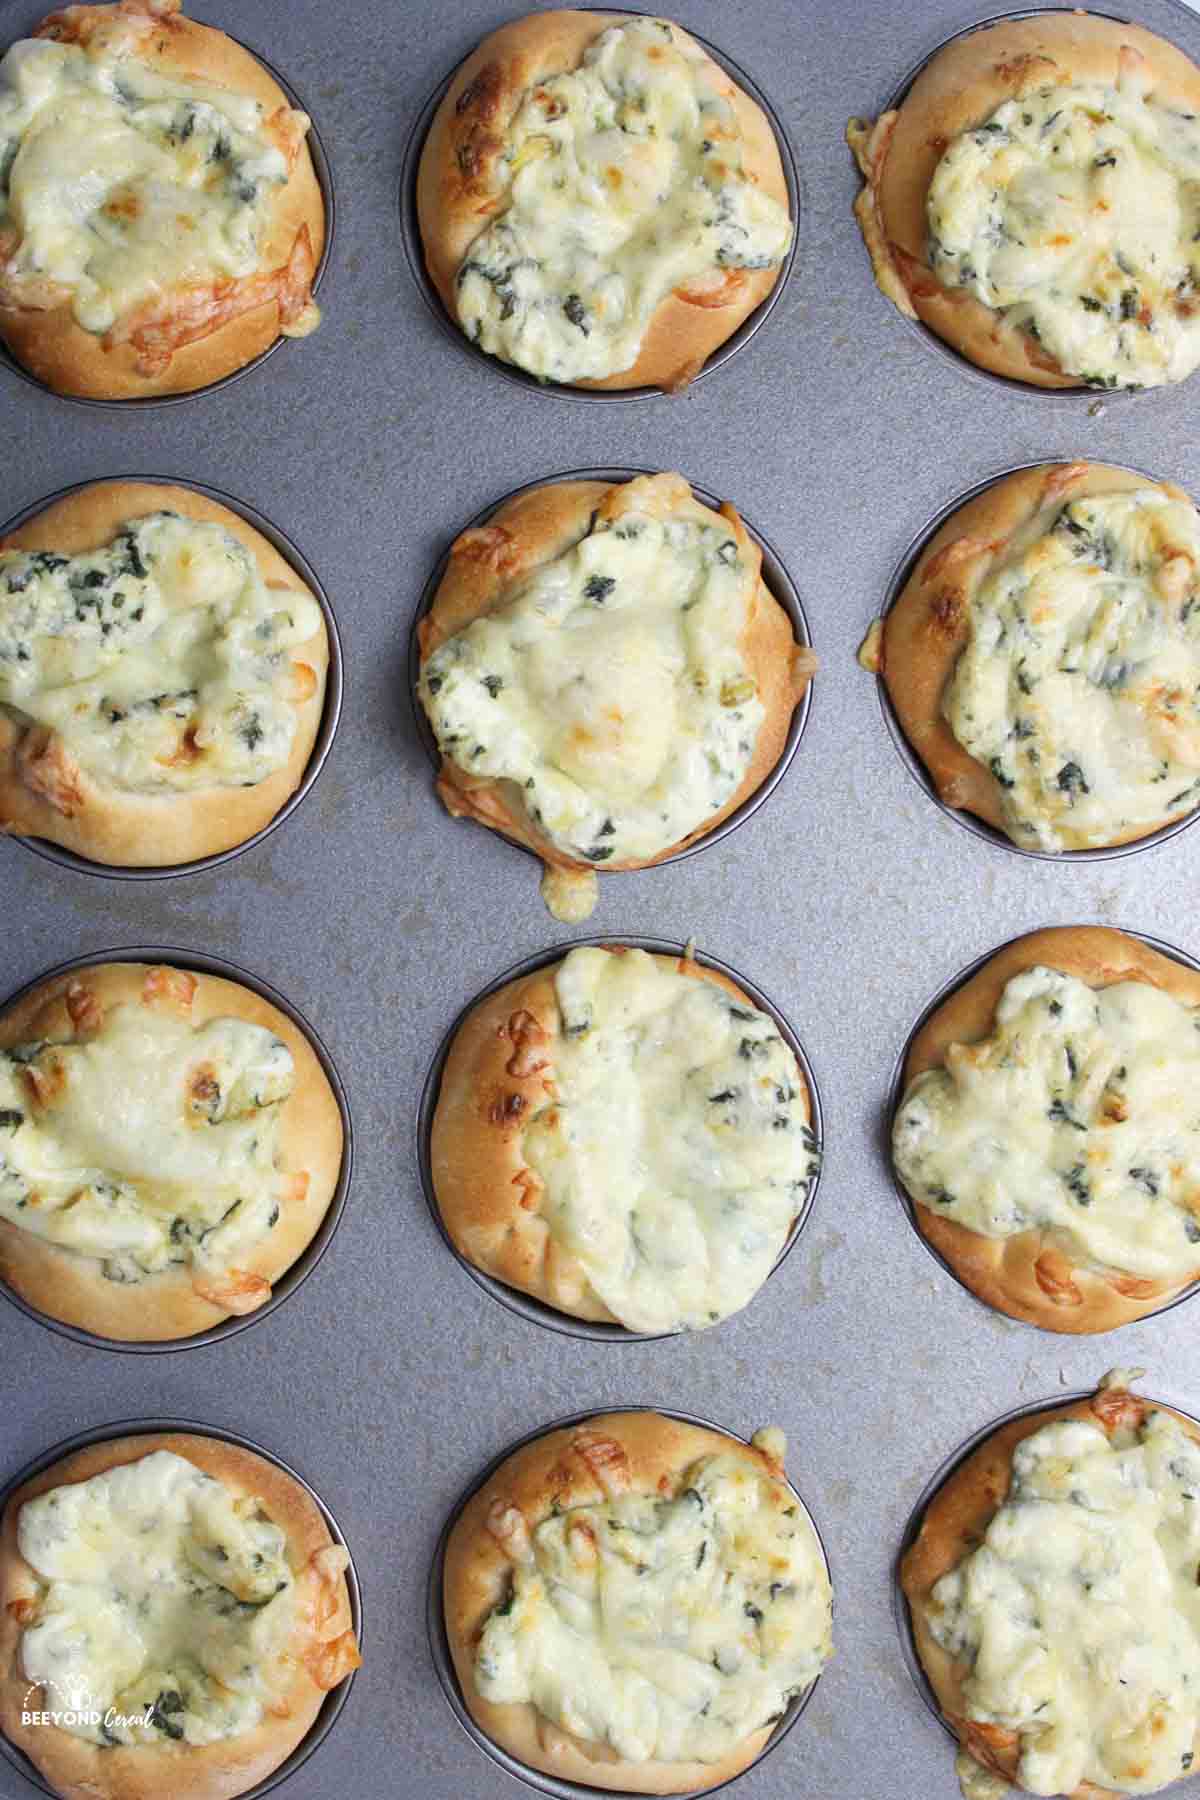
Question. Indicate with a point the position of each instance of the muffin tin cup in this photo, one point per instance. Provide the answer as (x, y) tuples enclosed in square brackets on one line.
[(297, 1272), (443, 1662), (330, 715), (335, 1700), (779, 585), (415, 253), (901, 1611), (537, 1312), (897, 1088), (969, 821), (1088, 399), (324, 175)]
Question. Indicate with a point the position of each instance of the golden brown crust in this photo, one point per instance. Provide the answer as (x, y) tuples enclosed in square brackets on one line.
[(152, 830), (959, 88), (57, 350), (1029, 1276), (458, 193), (954, 1522), (164, 1306), (321, 1640), (928, 628), (532, 529), (643, 1453), (499, 1071)]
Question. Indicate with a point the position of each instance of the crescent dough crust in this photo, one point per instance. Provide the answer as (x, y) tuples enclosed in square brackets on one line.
[(926, 630), (536, 527), (147, 830), (322, 1645), (954, 1521), (958, 89), (551, 1469), (163, 1306), (496, 1075), (456, 183), (58, 351), (1005, 1272)]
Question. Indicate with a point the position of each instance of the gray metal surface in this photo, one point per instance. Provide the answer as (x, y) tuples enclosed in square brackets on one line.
[(389, 1380)]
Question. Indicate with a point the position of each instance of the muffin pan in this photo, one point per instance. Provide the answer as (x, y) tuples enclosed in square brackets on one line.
[(390, 1378)]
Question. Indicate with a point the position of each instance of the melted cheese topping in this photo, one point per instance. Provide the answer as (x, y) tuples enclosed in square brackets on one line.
[(119, 183), (610, 688), (623, 181), (161, 660), (671, 1627), (1079, 687), (156, 1142), (1079, 1613), (1075, 211), (161, 1594), (677, 1152), (1076, 1117)]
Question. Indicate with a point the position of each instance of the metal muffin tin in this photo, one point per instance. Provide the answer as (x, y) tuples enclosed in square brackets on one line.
[(335, 1699), (443, 1661), (954, 1462), (899, 1087), (778, 583), (524, 1305), (567, 390), (324, 175), (905, 568), (389, 1377), (330, 711), (297, 1272)]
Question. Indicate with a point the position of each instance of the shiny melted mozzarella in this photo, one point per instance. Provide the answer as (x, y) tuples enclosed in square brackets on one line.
[(166, 634), (156, 1142), (624, 181), (677, 1152), (610, 688), (162, 1595), (1079, 1613), (119, 183), (1079, 687), (667, 1627), (1079, 1116), (1076, 212)]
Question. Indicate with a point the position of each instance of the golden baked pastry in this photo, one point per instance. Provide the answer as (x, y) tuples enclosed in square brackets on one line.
[(599, 203), (179, 1603), (606, 674), (1052, 1587), (1032, 201), (624, 1136), (169, 1144), (193, 241), (1044, 651), (633, 1602), (1046, 1135), (162, 675)]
